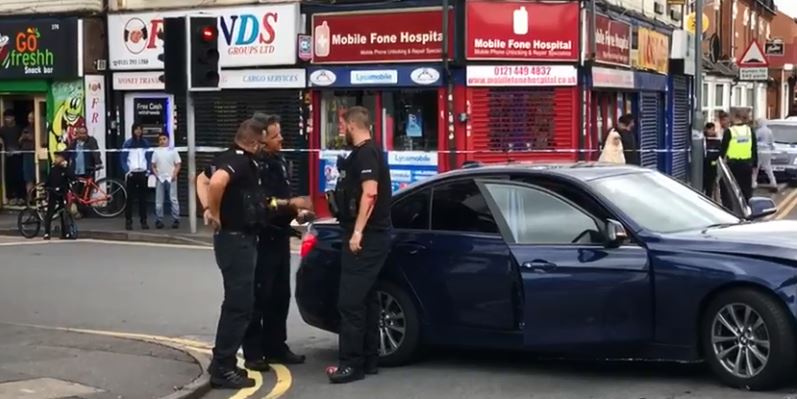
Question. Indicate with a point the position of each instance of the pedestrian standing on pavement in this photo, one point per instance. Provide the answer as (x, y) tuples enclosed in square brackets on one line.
[(136, 158), (84, 156), (612, 148), (766, 150), (712, 145), (166, 168), (625, 125), (57, 185), (9, 136), (235, 206), (27, 143), (739, 147), (265, 338), (365, 218)]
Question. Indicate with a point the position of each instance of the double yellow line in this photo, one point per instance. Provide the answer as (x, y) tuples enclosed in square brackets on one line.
[(786, 206)]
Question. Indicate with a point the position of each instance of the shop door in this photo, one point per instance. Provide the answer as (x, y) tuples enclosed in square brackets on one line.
[(650, 125), (679, 139), (42, 157), (522, 124)]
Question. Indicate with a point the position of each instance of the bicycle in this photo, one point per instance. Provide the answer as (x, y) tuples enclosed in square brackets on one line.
[(29, 221), (106, 197)]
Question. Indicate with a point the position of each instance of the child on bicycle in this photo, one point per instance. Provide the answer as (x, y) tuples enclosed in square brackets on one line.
[(57, 186)]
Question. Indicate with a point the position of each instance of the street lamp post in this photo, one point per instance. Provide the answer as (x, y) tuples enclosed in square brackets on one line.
[(698, 120)]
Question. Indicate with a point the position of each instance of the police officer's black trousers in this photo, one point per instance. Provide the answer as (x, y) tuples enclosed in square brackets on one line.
[(267, 333), (357, 302), (236, 256), (709, 178), (743, 173)]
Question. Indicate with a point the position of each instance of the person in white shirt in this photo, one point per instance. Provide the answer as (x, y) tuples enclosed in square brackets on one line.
[(166, 167)]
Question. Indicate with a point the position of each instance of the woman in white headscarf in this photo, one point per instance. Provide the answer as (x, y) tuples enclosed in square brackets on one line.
[(766, 150), (612, 148)]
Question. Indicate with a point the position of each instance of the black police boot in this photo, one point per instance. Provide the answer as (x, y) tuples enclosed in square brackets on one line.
[(287, 357), (257, 365), (229, 379), (343, 375)]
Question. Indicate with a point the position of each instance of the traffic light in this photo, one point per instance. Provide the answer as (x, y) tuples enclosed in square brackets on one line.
[(174, 55), (203, 53)]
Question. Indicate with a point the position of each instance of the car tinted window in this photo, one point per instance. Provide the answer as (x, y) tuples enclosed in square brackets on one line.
[(569, 191), (459, 206), (412, 212), (784, 134), (537, 217)]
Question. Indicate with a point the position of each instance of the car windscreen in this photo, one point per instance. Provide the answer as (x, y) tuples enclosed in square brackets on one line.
[(661, 204), (784, 134)]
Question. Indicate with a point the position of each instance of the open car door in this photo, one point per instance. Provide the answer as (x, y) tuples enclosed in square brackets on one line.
[(730, 195)]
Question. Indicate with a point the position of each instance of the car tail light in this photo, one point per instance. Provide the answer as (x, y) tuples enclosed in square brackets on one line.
[(308, 243)]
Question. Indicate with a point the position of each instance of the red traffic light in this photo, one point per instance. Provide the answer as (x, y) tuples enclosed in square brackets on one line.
[(208, 33)]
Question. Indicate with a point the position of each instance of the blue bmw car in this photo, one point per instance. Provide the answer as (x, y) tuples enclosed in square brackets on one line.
[(582, 260)]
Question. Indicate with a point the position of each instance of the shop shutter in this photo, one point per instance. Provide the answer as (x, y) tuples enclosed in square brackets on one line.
[(680, 127), (650, 107), (522, 124), (218, 115)]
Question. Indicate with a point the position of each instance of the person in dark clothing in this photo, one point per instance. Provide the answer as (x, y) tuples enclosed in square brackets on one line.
[(625, 125), (84, 156), (136, 159), (57, 186), (10, 134), (712, 145), (365, 219), (739, 147), (27, 143), (265, 338)]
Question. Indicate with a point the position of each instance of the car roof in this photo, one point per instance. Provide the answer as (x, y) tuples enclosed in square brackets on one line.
[(783, 122), (583, 171)]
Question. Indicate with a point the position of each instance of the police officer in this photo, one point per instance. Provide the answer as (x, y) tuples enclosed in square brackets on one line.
[(266, 335), (364, 215), (235, 207), (740, 149), (712, 145)]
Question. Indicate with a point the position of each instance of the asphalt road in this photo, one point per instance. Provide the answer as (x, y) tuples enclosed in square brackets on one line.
[(176, 291)]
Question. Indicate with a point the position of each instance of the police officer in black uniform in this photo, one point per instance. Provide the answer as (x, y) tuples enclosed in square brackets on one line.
[(363, 210), (237, 208), (266, 335)]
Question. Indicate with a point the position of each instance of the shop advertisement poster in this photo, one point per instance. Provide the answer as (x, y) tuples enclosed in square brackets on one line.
[(414, 126), (654, 51), (613, 41), (522, 75), (248, 36), (95, 114), (68, 114), (408, 167), (522, 31), (151, 114), (410, 35), (328, 161), (38, 48)]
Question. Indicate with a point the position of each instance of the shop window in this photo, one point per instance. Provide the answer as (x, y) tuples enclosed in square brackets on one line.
[(750, 97), (705, 95), (737, 96), (719, 96), (334, 104), (411, 119)]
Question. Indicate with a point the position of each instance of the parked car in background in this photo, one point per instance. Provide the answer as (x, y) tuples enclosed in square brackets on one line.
[(582, 260), (784, 161)]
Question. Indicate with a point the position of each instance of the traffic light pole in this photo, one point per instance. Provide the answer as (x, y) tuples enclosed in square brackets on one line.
[(191, 134)]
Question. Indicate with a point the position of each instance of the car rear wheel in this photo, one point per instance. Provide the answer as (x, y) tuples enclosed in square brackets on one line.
[(748, 340), (399, 328)]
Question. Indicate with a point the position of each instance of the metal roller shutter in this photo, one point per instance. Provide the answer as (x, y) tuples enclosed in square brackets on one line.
[(649, 107), (218, 115), (522, 124), (680, 127)]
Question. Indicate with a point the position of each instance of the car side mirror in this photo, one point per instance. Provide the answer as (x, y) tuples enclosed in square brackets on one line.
[(615, 233), (761, 207)]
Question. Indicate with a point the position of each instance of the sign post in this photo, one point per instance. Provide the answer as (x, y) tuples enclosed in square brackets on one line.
[(696, 166), (754, 67)]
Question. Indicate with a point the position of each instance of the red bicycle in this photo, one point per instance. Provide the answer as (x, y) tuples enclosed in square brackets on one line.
[(106, 197)]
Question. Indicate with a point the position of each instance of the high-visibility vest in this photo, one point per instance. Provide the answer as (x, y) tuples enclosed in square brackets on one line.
[(740, 147)]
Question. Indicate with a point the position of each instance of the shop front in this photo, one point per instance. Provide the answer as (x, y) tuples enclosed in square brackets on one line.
[(41, 88), (679, 106), (522, 98), (653, 55), (258, 53), (393, 70)]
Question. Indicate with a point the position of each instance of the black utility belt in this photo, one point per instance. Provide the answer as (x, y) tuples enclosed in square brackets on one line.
[(237, 232)]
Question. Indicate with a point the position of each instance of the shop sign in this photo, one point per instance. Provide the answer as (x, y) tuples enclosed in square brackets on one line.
[(612, 41), (521, 75), (408, 167), (612, 78), (38, 48), (95, 113), (654, 51), (263, 79), (775, 47), (131, 81), (398, 76), (248, 36), (522, 31), (382, 36), (305, 47)]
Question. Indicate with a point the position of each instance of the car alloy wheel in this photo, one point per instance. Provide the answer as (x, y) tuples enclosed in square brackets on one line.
[(392, 324), (740, 340)]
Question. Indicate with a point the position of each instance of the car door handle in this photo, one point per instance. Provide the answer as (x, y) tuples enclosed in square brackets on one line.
[(412, 248), (539, 265)]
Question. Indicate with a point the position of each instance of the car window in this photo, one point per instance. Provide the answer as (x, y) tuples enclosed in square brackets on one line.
[(784, 134), (569, 191), (460, 206), (538, 217), (412, 212)]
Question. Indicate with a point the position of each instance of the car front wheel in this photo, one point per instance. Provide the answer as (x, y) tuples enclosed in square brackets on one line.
[(399, 328), (748, 340)]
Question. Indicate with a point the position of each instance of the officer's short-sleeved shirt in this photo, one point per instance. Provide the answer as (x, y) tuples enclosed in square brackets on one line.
[(276, 183), (367, 162), (243, 172)]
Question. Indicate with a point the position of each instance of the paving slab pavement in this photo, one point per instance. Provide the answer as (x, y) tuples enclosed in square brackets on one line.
[(41, 363)]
